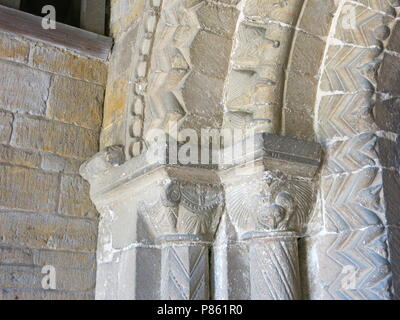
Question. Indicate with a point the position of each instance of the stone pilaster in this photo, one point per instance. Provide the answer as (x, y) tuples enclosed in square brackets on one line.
[(166, 214), (185, 271), (269, 201), (274, 267)]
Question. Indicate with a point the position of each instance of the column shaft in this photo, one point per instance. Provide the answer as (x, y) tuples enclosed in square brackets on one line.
[(185, 272), (274, 269)]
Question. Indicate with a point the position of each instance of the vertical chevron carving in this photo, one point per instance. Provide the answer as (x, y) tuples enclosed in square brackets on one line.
[(370, 27), (386, 6), (345, 115), (352, 155), (353, 184), (353, 201), (366, 253), (185, 272), (350, 69)]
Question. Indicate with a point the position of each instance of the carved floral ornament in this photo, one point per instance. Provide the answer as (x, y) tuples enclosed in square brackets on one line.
[(278, 203), (185, 209)]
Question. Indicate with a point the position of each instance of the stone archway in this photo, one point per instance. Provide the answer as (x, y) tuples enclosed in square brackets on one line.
[(301, 74)]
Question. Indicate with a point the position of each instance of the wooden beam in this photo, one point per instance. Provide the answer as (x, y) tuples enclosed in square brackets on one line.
[(93, 15), (15, 4), (29, 26)]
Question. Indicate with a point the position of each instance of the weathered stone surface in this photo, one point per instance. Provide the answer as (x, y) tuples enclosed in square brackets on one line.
[(21, 269), (55, 137), (20, 273), (304, 61), (279, 259), (29, 277), (298, 124), (35, 294), (218, 18), (386, 113), (317, 16), (76, 102), (387, 7), (104, 160), (53, 163), (140, 270), (255, 82), (301, 92), (121, 59), (64, 63), (207, 92), (289, 72), (124, 14), (64, 259), (6, 121), (119, 75), (363, 151), (394, 44), (369, 27), (346, 115), (204, 57), (262, 45), (286, 12), (11, 3), (230, 272), (114, 134), (37, 81), (47, 231), (115, 100), (28, 189), (359, 204), (15, 256), (278, 67), (19, 157), (360, 172), (185, 272), (182, 214), (74, 198), (13, 49), (350, 69), (359, 199), (23, 89), (390, 82), (188, 61), (353, 266)]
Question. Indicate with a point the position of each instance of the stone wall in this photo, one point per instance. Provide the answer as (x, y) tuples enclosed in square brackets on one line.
[(50, 114)]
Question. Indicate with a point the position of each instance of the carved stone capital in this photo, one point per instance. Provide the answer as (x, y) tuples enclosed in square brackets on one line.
[(172, 211), (266, 196), (274, 192), (185, 211), (171, 202)]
